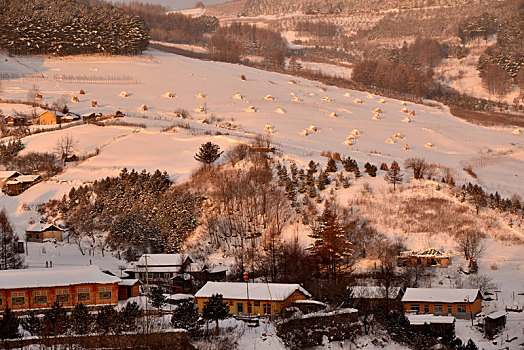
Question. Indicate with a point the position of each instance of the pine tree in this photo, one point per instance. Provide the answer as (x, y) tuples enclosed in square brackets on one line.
[(330, 246), (331, 166), (33, 324), (216, 309), (128, 316), (370, 169), (9, 256), (394, 175), (312, 167), (55, 320), (208, 153), (9, 324), (185, 316), (158, 299), (81, 320), (107, 321), (471, 345)]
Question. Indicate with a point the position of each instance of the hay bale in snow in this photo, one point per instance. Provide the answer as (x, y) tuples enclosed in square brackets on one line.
[(142, 108), (348, 143), (376, 117), (406, 147), (200, 95), (378, 111), (333, 114), (370, 96), (94, 103), (404, 110), (269, 129), (406, 120), (169, 95), (38, 96), (280, 111), (251, 109), (313, 128), (238, 96), (390, 140), (429, 145), (295, 99), (74, 99), (347, 94), (517, 132), (382, 100), (398, 136), (269, 98), (81, 92), (326, 99), (124, 94), (412, 113), (200, 109), (356, 132), (304, 132), (351, 138), (404, 103), (292, 82), (357, 100)]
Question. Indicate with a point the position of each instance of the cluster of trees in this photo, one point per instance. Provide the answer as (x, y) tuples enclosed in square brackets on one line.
[(476, 195), (139, 210), (10, 258), (64, 27), (317, 28), (9, 149), (57, 321), (391, 76), (232, 43), (424, 54), (481, 26), (171, 26)]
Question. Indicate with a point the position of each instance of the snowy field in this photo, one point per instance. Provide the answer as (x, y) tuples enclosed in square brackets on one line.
[(294, 109)]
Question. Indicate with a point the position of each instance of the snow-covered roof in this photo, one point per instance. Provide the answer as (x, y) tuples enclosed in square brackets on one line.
[(427, 253), (417, 320), (58, 114), (4, 174), (54, 277), (257, 291), (40, 227), (128, 282), (374, 292), (179, 296), (23, 178), (496, 314), (162, 259), (216, 269), (309, 302), (442, 295)]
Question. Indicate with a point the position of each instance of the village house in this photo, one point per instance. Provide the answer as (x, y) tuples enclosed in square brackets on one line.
[(428, 257), (20, 183), (461, 303), (494, 323), (252, 298), (38, 232), (69, 117), (374, 297), (128, 288), (439, 326), (28, 289), (50, 118), (7, 175), (15, 121)]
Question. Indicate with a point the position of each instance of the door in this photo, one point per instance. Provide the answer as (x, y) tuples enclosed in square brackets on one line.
[(240, 308)]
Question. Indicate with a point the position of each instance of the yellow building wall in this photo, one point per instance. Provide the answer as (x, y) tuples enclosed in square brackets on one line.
[(471, 308), (48, 118), (276, 306)]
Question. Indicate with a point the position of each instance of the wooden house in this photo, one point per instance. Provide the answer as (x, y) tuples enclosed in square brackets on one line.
[(15, 121), (438, 326), (461, 303), (376, 297), (20, 183), (7, 175), (428, 257), (50, 118), (493, 323), (28, 289), (69, 117), (128, 288), (39, 232), (252, 298), (161, 268)]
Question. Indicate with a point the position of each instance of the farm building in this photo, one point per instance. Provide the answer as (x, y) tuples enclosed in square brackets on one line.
[(20, 183), (493, 323), (38, 232), (128, 288), (252, 298), (7, 175), (461, 303), (41, 288), (15, 121), (70, 118), (438, 326), (375, 297), (428, 257), (49, 118)]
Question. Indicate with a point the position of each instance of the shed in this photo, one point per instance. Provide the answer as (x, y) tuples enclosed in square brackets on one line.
[(438, 326), (493, 323), (128, 288), (39, 231)]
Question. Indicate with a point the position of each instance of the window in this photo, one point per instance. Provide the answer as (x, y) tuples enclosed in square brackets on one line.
[(415, 307), (41, 297), (269, 308), (426, 309), (83, 294), (231, 302), (450, 309), (257, 303), (0, 299), (240, 308), (104, 293), (438, 309), (18, 299), (461, 309), (62, 295), (249, 308)]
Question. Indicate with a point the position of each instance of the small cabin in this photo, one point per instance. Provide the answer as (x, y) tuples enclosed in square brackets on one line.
[(428, 257), (20, 183), (50, 118), (128, 288), (437, 326), (15, 121), (494, 323), (39, 232)]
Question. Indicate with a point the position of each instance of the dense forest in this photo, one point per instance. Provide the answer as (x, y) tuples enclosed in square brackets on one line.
[(65, 27)]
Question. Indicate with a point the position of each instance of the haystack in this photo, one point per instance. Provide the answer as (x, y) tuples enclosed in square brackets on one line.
[(390, 140), (238, 96), (351, 137), (292, 82), (326, 99), (406, 147), (313, 128), (269, 98), (142, 108), (347, 94), (377, 111), (94, 104), (333, 114), (370, 96), (312, 94), (304, 132), (251, 109), (38, 96), (200, 109), (517, 132), (404, 103), (74, 99), (81, 92), (376, 117), (124, 94), (357, 100), (280, 111), (200, 95), (404, 110), (348, 143), (429, 145), (406, 120), (382, 100), (169, 95), (398, 136), (269, 129), (356, 132), (412, 113), (295, 99)]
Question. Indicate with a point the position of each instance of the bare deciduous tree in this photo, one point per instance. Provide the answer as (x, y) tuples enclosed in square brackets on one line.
[(470, 243), (65, 146), (419, 166), (496, 80)]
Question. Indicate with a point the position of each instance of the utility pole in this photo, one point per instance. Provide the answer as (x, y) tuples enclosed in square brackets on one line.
[(147, 295), (246, 279)]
